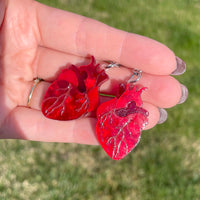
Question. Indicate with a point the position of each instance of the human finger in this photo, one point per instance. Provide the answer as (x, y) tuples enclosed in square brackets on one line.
[(162, 91), (159, 87), (48, 64), (29, 124), (36, 103), (154, 115), (71, 33)]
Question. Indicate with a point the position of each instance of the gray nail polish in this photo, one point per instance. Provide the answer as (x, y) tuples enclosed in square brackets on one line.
[(180, 67), (184, 94), (163, 116)]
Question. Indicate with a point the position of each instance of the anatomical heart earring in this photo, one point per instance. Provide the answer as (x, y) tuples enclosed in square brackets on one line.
[(121, 120), (74, 93)]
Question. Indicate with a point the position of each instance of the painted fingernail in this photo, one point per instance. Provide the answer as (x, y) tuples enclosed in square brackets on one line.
[(180, 67), (163, 116), (184, 94)]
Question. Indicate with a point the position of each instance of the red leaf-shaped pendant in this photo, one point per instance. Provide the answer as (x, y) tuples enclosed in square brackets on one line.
[(120, 122), (74, 93)]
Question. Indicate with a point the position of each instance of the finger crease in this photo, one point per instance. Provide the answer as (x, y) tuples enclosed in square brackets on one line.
[(122, 46)]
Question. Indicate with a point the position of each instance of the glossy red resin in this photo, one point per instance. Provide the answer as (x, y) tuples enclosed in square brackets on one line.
[(120, 122), (74, 93), (64, 102)]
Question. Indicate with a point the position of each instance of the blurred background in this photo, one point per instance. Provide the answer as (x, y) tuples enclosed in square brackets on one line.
[(166, 163)]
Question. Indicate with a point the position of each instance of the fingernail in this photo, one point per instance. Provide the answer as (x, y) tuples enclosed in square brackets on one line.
[(163, 116), (184, 94), (180, 67)]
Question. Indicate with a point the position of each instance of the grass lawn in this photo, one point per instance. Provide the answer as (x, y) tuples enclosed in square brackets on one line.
[(166, 163)]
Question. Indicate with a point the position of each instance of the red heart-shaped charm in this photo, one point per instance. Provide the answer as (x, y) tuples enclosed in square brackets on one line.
[(120, 122), (74, 93), (63, 101)]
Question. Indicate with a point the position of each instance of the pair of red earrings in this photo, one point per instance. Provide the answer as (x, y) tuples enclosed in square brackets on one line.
[(119, 121)]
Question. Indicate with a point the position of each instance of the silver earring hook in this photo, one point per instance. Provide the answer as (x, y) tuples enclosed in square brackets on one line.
[(135, 76), (110, 64), (136, 72)]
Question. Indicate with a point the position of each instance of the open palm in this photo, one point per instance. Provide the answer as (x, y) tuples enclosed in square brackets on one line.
[(36, 41)]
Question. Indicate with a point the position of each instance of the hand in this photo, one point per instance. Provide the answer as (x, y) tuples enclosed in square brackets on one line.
[(37, 41)]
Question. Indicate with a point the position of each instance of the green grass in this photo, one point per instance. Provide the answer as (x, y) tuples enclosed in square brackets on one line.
[(166, 163)]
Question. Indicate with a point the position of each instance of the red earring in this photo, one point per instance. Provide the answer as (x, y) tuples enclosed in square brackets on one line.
[(74, 93), (121, 120)]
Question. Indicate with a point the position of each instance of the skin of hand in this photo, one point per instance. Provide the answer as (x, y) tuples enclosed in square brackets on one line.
[(37, 41)]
